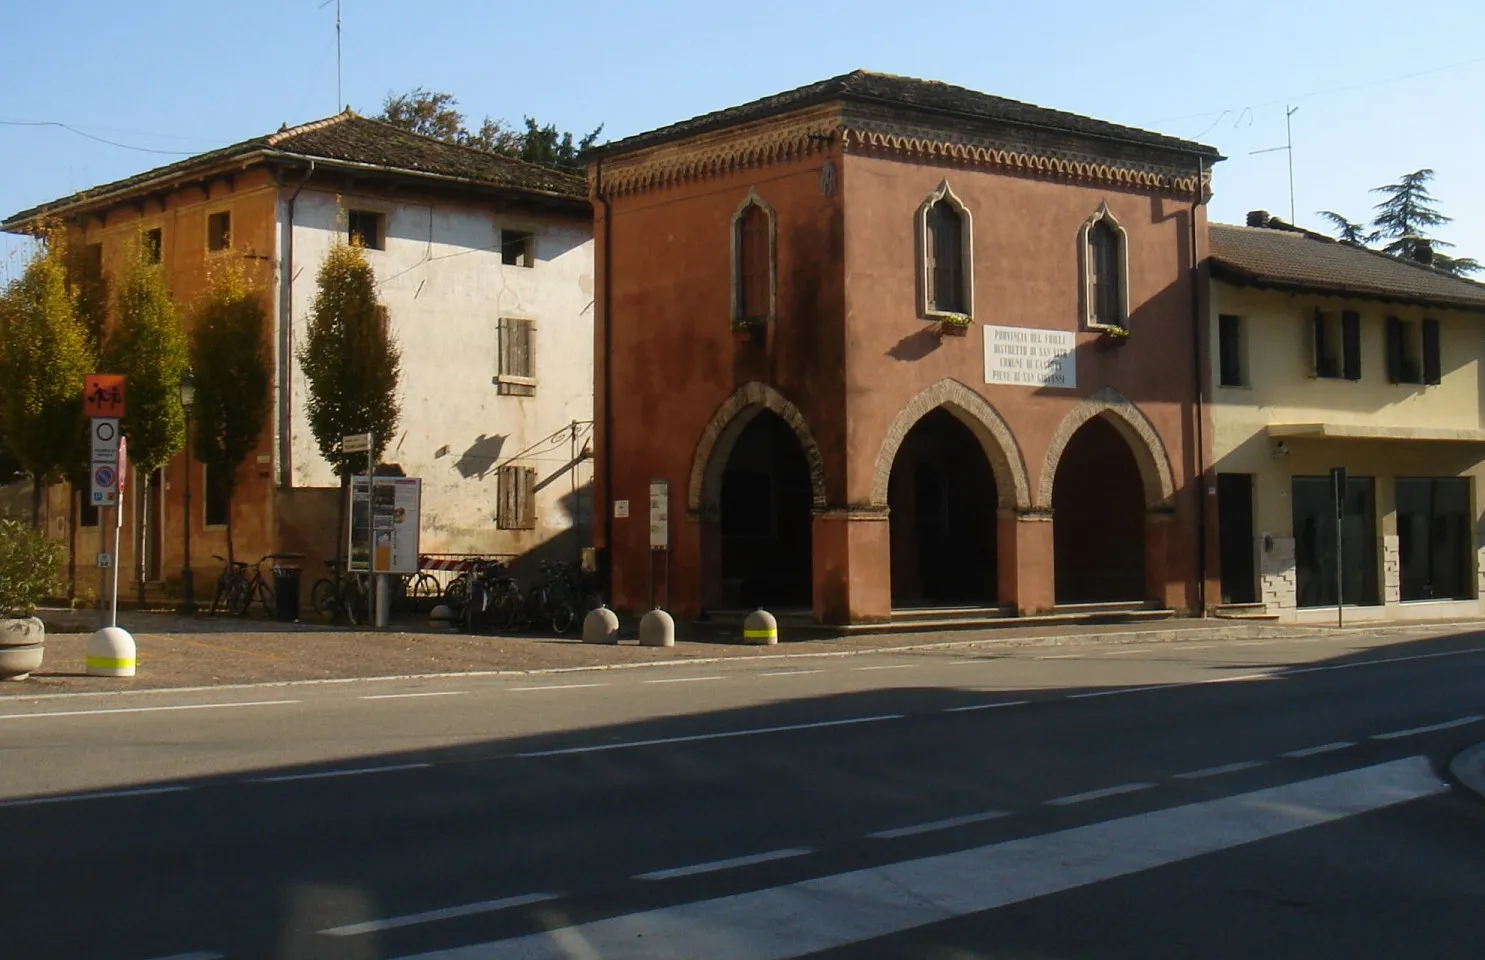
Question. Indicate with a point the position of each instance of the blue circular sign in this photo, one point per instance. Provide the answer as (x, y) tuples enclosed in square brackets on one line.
[(103, 476)]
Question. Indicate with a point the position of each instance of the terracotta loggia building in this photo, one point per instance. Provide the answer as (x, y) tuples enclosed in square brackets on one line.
[(889, 344)]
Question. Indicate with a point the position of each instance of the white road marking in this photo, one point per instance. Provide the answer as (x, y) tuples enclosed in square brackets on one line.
[(684, 679), (1098, 794), (1250, 643), (1120, 690), (183, 706), (951, 822), (1376, 663), (407, 696), (729, 864), (1446, 725), (788, 673), (888, 666), (196, 955), (1194, 646), (833, 911), (1219, 771), (961, 663), (99, 795), (693, 738), (559, 686), (447, 913), (1059, 656), (1125, 653), (1313, 751), (326, 774), (985, 706)]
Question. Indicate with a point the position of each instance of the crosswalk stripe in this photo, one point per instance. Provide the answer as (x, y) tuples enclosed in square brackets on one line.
[(832, 911)]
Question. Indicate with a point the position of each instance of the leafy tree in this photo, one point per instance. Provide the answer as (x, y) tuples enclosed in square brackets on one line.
[(435, 114), (351, 363), (1402, 222), (44, 354), (232, 380)]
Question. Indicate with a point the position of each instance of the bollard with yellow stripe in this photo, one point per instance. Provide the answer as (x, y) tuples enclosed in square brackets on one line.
[(760, 627), (111, 653)]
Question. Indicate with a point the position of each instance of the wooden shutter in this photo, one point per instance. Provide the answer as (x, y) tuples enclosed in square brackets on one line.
[(528, 498), (504, 517), (516, 373), (1433, 367), (1319, 338), (1351, 344), (1394, 350)]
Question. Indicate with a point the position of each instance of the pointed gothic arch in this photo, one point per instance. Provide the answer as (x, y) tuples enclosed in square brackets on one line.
[(1144, 442), (1103, 244), (703, 495), (976, 413)]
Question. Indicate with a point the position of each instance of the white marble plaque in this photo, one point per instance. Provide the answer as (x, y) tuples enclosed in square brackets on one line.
[(1028, 357)]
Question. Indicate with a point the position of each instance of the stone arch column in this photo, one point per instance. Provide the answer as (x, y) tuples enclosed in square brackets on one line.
[(1144, 442), (703, 494), (976, 413)]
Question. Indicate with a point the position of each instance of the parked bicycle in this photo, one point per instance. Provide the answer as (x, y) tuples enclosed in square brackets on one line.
[(555, 598), (233, 573), (242, 592), (494, 599), (342, 595)]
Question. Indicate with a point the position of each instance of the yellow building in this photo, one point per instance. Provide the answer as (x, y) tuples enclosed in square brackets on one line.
[(1326, 355)]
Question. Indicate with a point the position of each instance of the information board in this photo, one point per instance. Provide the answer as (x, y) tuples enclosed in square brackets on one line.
[(396, 521)]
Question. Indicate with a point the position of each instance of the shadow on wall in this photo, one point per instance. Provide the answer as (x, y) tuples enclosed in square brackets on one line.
[(480, 458), (917, 345), (566, 545)]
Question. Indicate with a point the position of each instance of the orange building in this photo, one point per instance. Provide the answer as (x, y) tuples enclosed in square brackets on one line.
[(889, 344)]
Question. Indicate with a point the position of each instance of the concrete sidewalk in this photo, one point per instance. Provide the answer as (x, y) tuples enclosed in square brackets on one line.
[(176, 651), (1468, 768)]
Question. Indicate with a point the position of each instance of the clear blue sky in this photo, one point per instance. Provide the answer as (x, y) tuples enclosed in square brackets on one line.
[(183, 75)]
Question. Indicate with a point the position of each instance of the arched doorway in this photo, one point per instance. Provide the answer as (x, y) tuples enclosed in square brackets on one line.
[(765, 513), (942, 498), (1098, 515)]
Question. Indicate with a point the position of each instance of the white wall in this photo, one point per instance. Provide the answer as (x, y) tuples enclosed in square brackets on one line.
[(445, 288)]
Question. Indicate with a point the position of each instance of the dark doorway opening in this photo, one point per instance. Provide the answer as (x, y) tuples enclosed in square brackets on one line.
[(1098, 517), (766, 516), (1235, 537), (942, 501), (1435, 538)]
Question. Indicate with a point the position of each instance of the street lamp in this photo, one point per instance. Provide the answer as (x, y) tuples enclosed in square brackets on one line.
[(187, 582)]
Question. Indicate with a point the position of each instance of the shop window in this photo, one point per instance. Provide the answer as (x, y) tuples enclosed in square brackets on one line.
[(1337, 345), (1435, 538), (1315, 541)]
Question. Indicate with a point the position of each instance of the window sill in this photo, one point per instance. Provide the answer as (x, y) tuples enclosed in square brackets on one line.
[(949, 317), (1108, 329)]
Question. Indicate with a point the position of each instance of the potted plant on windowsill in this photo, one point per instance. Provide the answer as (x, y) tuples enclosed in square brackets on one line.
[(1112, 335), (29, 561), (748, 329), (954, 324)]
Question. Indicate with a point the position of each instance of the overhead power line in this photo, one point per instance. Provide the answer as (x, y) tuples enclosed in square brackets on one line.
[(83, 133)]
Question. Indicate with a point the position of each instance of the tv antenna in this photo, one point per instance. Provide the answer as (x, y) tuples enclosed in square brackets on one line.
[(339, 97), (1288, 148)]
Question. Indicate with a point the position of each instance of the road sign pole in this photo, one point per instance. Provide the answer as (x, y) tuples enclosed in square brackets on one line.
[(371, 580)]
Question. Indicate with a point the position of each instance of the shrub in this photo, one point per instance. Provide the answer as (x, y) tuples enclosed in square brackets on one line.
[(29, 563)]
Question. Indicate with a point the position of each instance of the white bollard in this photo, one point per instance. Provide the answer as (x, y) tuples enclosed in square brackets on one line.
[(760, 627), (657, 629), (441, 615), (111, 653), (601, 626)]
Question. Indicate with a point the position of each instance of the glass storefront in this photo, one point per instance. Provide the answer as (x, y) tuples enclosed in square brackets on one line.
[(1434, 538), (1315, 547)]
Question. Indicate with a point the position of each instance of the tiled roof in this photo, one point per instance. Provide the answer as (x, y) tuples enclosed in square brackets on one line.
[(351, 139), (1292, 259), (928, 96)]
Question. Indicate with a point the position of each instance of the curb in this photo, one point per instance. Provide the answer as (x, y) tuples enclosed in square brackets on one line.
[(1468, 767)]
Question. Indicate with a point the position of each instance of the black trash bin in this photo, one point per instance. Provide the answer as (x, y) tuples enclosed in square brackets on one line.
[(286, 592)]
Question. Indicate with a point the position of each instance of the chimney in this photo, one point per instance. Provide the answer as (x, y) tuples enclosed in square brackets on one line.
[(1258, 218), (1423, 253)]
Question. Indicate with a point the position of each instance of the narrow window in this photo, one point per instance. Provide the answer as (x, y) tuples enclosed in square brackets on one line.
[(516, 509), (1106, 274), (517, 248), (219, 231), (1433, 363), (1329, 349), (515, 373), (367, 229), (215, 495), (1230, 351), (754, 265), (150, 245), (945, 266), (1404, 351)]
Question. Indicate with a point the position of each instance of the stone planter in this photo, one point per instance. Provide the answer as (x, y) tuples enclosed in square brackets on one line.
[(22, 642)]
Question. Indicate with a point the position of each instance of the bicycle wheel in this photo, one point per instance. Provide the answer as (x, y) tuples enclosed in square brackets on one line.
[(352, 600), (323, 596), (265, 597), (239, 598), (564, 615), (424, 591), (534, 610), (504, 608), (456, 594)]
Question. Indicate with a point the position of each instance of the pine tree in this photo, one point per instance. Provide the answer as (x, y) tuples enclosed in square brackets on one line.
[(44, 354), (231, 367), (1404, 218), (351, 363)]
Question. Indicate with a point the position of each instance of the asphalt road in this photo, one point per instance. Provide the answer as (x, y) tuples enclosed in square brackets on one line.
[(1213, 799)]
